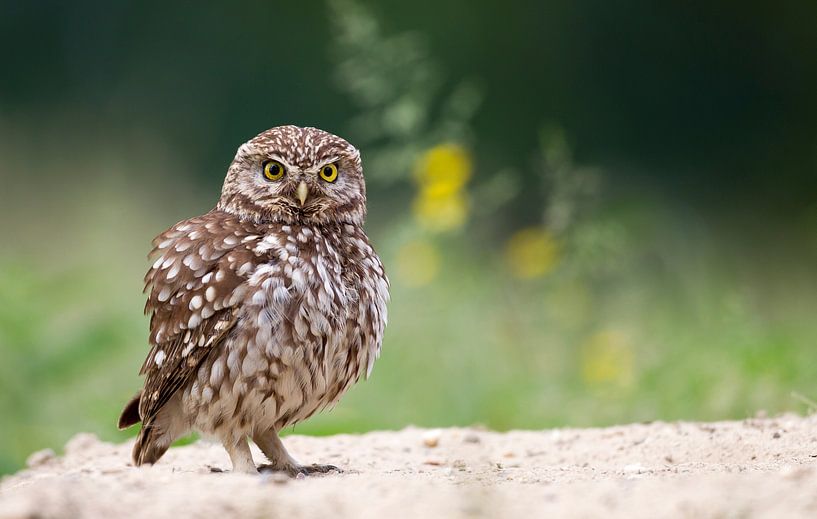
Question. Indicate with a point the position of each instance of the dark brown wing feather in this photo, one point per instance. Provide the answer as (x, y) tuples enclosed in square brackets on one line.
[(194, 286)]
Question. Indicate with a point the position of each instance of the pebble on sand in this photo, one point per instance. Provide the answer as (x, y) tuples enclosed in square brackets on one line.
[(432, 438)]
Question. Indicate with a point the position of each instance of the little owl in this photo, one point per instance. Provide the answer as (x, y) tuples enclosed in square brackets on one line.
[(267, 308)]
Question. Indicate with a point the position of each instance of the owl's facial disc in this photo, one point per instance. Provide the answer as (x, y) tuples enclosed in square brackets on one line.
[(296, 175)]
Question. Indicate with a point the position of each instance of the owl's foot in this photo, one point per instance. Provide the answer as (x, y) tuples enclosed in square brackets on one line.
[(294, 470), (281, 461)]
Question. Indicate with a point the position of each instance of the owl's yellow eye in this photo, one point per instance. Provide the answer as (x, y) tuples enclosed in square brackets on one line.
[(273, 170), (329, 172)]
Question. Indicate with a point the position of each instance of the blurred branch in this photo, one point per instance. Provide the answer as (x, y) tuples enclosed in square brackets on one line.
[(397, 86), (570, 191)]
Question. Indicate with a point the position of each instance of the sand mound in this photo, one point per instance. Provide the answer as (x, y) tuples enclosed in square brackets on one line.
[(753, 468)]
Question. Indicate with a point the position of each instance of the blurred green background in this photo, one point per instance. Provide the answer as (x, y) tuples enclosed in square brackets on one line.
[(592, 212)]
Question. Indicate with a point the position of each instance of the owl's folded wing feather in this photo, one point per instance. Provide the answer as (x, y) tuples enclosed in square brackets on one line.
[(194, 286)]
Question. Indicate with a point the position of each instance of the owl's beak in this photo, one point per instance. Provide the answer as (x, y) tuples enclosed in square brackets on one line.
[(302, 192)]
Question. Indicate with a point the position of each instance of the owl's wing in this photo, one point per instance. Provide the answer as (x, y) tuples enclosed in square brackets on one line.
[(194, 286)]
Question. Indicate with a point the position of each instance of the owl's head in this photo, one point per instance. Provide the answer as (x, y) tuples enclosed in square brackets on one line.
[(296, 175)]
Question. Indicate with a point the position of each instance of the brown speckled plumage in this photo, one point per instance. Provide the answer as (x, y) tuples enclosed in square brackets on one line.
[(264, 310)]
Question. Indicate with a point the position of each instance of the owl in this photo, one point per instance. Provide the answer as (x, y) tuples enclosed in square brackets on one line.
[(266, 309)]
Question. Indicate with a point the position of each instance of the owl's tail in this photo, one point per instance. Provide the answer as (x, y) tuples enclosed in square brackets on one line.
[(149, 445), (130, 415)]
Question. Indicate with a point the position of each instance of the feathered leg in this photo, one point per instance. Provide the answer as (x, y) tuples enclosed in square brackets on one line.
[(240, 455)]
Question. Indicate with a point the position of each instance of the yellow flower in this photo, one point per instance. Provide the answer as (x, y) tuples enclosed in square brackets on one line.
[(441, 213), (443, 170), (531, 253), (441, 174), (607, 359), (418, 263)]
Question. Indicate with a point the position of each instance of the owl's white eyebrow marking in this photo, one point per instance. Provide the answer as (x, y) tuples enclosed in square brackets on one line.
[(289, 167), (322, 164)]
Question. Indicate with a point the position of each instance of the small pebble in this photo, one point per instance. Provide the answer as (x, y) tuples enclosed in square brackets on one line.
[(432, 438), (471, 437)]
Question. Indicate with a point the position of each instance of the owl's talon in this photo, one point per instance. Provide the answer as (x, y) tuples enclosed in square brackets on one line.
[(318, 469), (300, 471)]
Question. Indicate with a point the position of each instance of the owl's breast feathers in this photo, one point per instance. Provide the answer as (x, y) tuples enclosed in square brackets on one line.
[(279, 288)]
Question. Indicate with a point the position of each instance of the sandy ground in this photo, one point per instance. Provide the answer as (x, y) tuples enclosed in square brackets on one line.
[(753, 468)]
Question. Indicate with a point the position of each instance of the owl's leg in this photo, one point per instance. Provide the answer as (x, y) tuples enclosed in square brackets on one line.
[(280, 460), (240, 455)]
